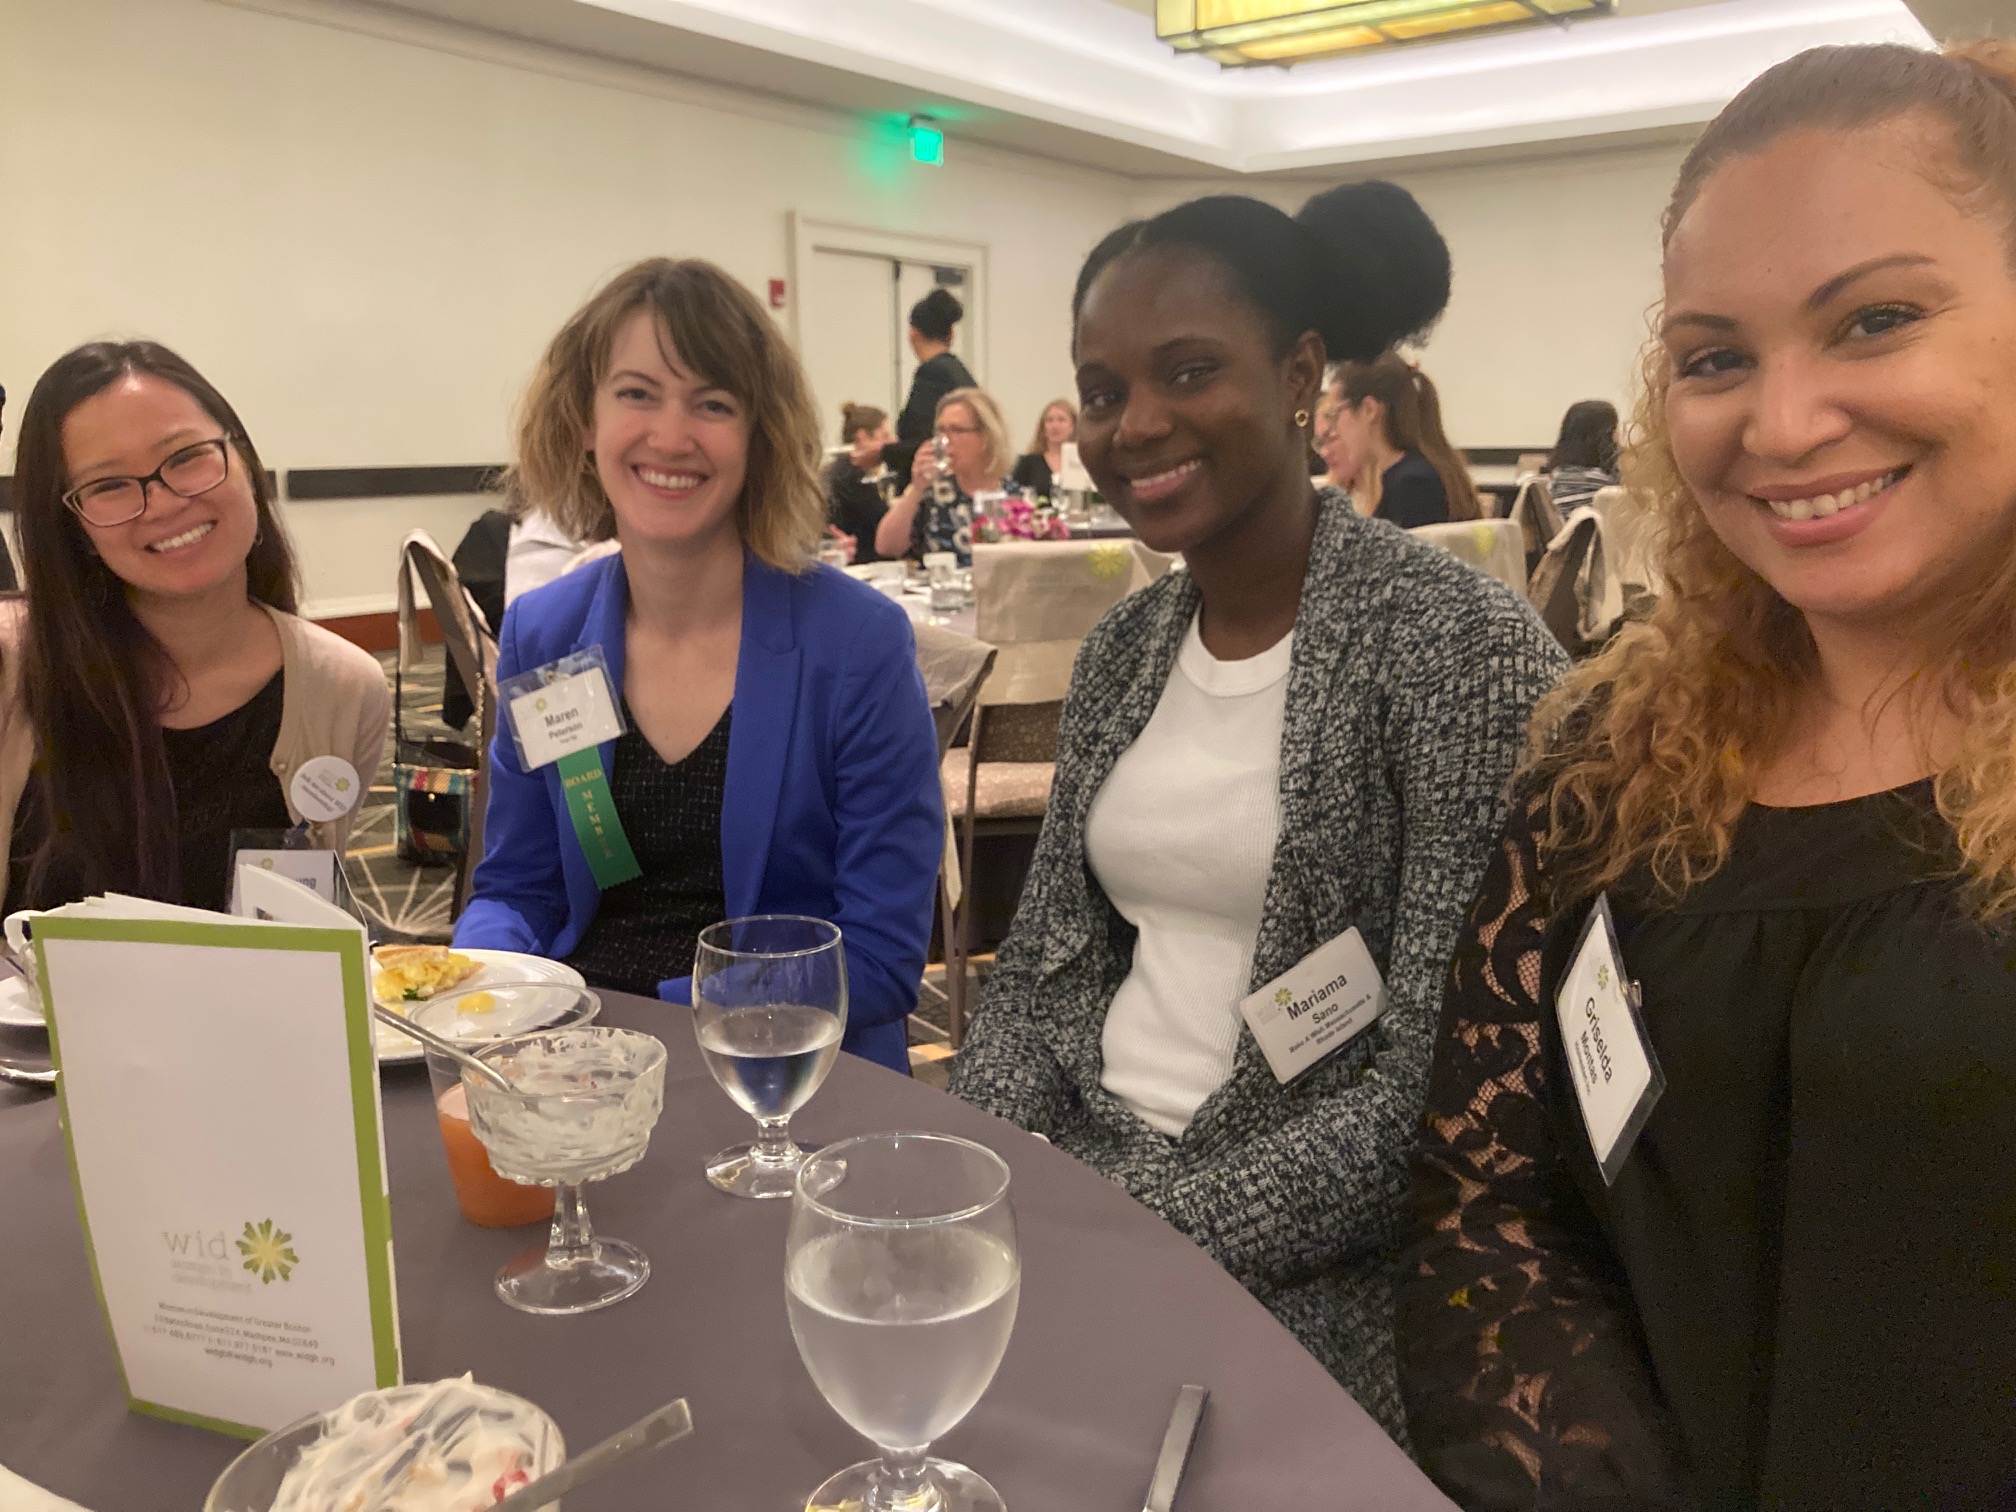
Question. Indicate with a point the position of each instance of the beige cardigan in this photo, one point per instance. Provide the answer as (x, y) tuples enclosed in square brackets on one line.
[(335, 703)]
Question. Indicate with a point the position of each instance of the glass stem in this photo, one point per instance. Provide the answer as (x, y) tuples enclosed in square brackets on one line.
[(572, 1240), (902, 1482), (773, 1141)]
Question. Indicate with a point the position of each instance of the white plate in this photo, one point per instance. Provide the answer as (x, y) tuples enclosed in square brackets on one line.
[(498, 966), (20, 1004)]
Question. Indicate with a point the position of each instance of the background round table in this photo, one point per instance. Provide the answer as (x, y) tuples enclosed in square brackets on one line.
[(1118, 1310)]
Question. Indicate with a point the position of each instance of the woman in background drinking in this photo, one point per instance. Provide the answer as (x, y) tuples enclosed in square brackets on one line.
[(935, 513)]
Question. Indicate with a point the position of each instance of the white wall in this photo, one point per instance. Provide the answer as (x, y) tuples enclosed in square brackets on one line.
[(365, 242), (1556, 263)]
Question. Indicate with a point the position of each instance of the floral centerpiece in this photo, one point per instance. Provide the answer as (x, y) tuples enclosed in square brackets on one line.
[(1014, 517)]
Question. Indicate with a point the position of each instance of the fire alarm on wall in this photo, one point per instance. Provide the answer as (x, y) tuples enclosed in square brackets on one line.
[(776, 293)]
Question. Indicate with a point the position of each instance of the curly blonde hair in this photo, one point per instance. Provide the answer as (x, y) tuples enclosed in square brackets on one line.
[(1646, 755), (725, 336)]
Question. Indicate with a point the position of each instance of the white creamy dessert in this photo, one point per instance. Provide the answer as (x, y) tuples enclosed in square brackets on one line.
[(447, 1446)]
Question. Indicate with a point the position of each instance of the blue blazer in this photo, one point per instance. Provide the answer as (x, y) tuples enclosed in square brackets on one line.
[(833, 806)]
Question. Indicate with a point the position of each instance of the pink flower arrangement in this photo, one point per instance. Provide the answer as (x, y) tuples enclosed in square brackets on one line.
[(1014, 518)]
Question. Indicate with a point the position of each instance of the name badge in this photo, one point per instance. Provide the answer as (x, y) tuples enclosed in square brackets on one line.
[(1317, 1006), (562, 707), (313, 869), (1615, 1073), (559, 715)]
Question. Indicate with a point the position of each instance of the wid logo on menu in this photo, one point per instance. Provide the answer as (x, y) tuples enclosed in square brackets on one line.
[(268, 1252)]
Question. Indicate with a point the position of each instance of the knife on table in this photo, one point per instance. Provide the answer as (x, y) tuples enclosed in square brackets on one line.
[(1176, 1442)]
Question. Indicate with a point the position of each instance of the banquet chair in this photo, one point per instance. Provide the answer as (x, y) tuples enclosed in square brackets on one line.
[(1630, 537), (433, 765), (1576, 589), (1538, 518), (1496, 548), (953, 667)]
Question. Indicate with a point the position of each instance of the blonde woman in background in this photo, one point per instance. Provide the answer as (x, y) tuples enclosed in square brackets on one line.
[(779, 755), (1387, 415), (1036, 469), (977, 458), (1796, 787)]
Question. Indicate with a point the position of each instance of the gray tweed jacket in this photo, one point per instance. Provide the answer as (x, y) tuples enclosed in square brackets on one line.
[(1409, 688)]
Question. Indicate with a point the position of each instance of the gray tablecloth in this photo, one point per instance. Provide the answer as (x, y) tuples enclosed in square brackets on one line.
[(1118, 1310)]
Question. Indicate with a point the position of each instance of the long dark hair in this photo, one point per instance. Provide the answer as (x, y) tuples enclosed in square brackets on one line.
[(92, 675), (1588, 437), (1413, 422)]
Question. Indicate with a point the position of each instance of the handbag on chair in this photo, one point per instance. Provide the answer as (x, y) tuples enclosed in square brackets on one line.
[(435, 778)]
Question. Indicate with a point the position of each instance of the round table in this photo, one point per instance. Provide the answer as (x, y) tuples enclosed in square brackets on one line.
[(1118, 1311)]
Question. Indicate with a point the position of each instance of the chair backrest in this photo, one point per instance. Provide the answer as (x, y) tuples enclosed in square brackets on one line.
[(1037, 600), (1496, 548), (471, 647), (1631, 536), (1015, 731), (953, 667), (1538, 519), (1578, 595)]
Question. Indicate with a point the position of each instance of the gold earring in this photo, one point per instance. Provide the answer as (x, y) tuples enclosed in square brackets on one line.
[(1301, 419)]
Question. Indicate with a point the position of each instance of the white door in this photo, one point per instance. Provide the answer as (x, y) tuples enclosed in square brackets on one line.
[(847, 312)]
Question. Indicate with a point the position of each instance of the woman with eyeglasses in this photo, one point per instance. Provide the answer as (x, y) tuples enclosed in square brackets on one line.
[(926, 517), (159, 690)]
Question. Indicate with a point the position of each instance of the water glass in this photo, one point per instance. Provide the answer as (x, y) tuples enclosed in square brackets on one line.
[(580, 1107), (769, 1008), (901, 1279)]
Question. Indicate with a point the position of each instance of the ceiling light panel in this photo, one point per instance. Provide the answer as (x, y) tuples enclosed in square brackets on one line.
[(1241, 33)]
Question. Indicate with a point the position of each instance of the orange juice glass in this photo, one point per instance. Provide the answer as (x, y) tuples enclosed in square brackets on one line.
[(477, 1018)]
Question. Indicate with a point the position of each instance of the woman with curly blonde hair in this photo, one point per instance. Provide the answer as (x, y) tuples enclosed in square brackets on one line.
[(778, 753), (1786, 1280)]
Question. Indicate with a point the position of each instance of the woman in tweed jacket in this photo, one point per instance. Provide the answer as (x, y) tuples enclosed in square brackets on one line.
[(1201, 339)]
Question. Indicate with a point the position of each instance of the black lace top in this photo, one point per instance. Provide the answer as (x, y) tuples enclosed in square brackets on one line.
[(645, 930), (222, 777), (1801, 1291)]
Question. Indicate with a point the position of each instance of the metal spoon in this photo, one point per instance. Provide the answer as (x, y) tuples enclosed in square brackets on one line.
[(661, 1427), (434, 1041)]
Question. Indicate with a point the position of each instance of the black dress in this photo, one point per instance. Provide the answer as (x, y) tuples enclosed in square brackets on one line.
[(1801, 1290), (222, 777), (1411, 493), (645, 930), (856, 505), (1033, 476), (934, 379)]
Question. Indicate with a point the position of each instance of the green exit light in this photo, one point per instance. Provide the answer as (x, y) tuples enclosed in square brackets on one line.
[(927, 142)]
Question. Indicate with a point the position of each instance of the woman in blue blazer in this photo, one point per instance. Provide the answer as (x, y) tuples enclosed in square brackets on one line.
[(779, 755)]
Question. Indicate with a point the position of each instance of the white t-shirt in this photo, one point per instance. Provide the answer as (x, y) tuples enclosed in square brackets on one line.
[(1181, 837)]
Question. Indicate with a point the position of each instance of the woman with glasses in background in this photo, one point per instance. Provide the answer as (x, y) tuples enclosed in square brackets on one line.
[(976, 459), (159, 690)]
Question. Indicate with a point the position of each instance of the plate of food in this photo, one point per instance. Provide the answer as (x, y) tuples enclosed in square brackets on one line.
[(402, 975)]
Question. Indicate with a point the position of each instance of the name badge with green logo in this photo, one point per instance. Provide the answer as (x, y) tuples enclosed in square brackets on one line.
[(559, 716), (1317, 1006)]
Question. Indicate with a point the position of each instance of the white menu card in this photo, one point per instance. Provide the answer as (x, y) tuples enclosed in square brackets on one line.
[(220, 1101)]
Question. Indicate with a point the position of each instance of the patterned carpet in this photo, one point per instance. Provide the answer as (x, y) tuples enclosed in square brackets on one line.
[(416, 903)]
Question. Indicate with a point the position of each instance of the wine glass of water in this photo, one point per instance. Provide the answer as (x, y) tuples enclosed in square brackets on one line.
[(769, 1007), (901, 1278)]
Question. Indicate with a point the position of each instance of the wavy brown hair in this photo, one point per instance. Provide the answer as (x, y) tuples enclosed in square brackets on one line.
[(1646, 755), (724, 336), (94, 680)]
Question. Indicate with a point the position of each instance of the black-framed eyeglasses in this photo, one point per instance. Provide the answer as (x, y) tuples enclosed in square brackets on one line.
[(195, 469)]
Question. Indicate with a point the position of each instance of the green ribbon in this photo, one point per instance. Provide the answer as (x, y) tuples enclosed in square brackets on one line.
[(593, 811)]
